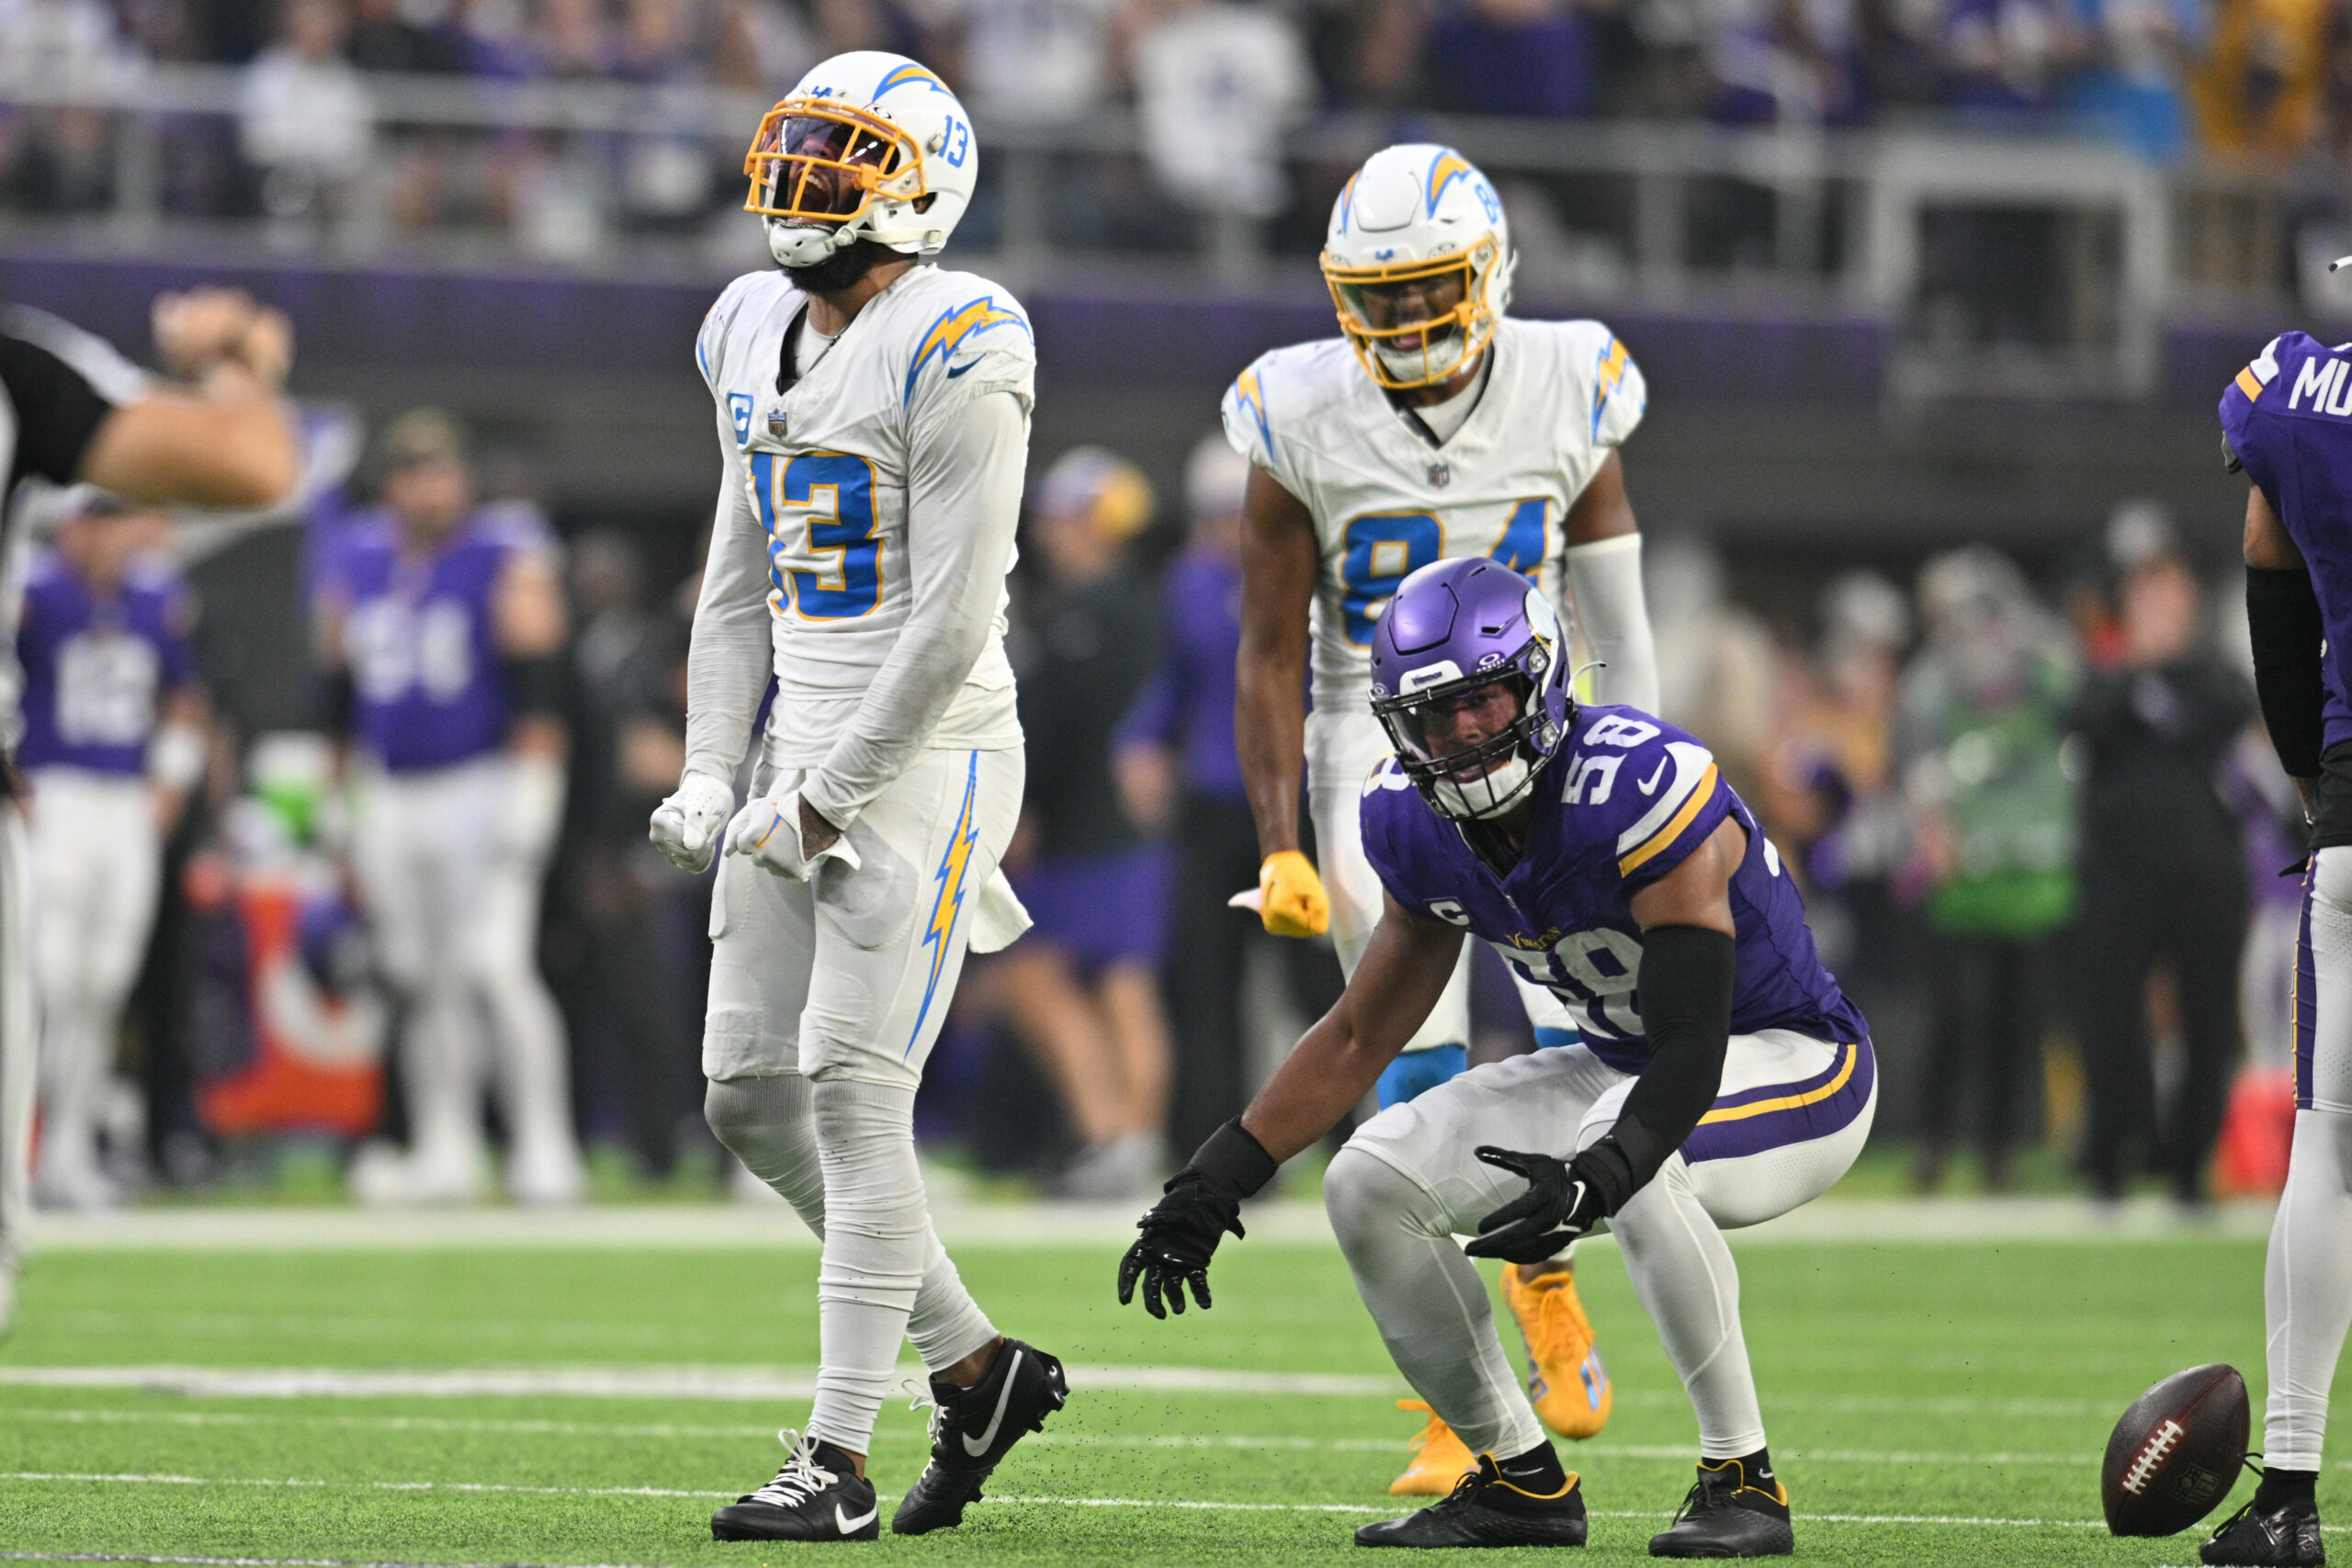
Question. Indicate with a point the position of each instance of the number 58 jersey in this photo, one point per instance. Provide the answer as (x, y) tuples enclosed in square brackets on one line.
[(1625, 800), (821, 467), (1386, 501)]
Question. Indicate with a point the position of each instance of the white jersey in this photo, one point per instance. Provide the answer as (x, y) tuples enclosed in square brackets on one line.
[(824, 468), (1386, 500)]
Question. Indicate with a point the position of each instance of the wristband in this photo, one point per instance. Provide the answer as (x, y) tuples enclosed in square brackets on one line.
[(1232, 1162)]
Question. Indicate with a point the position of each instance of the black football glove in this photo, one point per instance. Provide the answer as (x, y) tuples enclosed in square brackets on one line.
[(1564, 1200), (1201, 1202)]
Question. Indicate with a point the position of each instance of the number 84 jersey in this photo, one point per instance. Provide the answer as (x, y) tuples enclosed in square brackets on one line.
[(1625, 800), (820, 467), (1386, 501)]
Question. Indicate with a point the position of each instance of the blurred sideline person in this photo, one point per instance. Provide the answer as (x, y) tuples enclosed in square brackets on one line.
[(1084, 989), (2163, 876), (873, 415), (1723, 1078), (441, 628), (113, 741), (2298, 548), (74, 412), (1982, 717), (1433, 427), (1178, 771)]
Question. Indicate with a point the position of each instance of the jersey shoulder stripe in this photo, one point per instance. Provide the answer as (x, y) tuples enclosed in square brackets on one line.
[(1277, 404), (1695, 777)]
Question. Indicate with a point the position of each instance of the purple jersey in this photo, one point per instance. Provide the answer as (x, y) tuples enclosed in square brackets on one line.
[(2288, 417), (97, 669), (1625, 800), (423, 651)]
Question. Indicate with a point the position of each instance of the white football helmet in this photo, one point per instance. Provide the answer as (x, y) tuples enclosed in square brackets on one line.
[(868, 146), (1418, 260)]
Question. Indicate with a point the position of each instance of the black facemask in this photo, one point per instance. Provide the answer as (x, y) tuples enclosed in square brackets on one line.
[(842, 269)]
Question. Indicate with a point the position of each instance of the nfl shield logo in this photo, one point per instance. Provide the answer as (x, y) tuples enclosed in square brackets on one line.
[(1440, 474), (776, 424)]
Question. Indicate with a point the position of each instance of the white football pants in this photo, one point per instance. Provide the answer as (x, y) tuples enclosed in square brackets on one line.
[(1792, 1114), (456, 917), (836, 991), (96, 860), (2307, 1279), (1342, 751)]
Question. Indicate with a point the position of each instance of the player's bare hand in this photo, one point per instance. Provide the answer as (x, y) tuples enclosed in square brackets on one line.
[(1179, 1237), (1291, 899), (816, 835), (201, 329)]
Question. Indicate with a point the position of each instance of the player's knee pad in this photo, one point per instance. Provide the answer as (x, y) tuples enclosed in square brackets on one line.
[(1368, 1199), (766, 1122)]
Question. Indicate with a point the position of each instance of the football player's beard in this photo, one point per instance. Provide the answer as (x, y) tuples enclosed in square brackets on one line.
[(841, 270)]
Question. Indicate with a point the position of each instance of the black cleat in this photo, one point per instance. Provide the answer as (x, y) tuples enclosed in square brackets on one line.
[(1485, 1509), (818, 1495), (1723, 1515), (2286, 1536), (973, 1428)]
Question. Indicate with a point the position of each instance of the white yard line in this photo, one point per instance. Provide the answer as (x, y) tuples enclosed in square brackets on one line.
[(1285, 1221), (1169, 1442), (716, 1383)]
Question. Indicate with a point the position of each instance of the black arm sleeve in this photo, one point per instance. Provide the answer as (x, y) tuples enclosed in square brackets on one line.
[(1685, 999), (2282, 617), (58, 412)]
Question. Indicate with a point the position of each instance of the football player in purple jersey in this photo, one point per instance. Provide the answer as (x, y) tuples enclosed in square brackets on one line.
[(2287, 422), (113, 741), (442, 627), (1723, 1078)]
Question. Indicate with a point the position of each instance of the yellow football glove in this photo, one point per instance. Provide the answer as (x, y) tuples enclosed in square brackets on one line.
[(1291, 899)]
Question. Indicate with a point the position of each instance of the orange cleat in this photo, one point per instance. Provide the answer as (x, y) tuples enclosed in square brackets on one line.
[(1566, 1380), (1440, 1459)]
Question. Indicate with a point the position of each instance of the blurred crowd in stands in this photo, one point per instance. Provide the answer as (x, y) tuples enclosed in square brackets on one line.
[(1214, 84), (2045, 846)]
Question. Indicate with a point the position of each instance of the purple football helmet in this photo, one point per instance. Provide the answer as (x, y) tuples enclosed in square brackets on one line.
[(1470, 677)]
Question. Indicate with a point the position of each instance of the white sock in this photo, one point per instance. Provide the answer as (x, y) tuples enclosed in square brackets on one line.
[(1683, 1273), (766, 1122), (2307, 1288), (1429, 1302), (877, 1232)]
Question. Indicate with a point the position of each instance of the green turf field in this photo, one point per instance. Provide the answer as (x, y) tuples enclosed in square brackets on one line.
[(1939, 1403)]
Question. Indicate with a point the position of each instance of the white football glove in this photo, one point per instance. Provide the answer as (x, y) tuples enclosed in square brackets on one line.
[(685, 827), (767, 830)]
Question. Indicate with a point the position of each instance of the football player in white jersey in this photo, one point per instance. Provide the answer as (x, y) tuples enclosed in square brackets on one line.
[(873, 422), (1433, 427)]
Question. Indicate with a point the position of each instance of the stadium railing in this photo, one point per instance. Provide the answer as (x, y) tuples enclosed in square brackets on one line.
[(2010, 263)]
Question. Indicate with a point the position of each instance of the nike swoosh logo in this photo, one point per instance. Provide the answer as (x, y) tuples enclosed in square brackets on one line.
[(988, 1434), (1649, 785), (850, 1526), (955, 370)]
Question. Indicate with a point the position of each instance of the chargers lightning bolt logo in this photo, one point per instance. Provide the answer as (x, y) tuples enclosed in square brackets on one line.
[(952, 866), (948, 333), (910, 72), (1449, 166)]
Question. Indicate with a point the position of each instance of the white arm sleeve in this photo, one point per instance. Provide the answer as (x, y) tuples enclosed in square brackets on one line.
[(963, 506), (733, 648), (1605, 580)]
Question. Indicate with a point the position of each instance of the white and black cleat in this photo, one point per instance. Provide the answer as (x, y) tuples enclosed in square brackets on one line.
[(971, 1430), (818, 1495)]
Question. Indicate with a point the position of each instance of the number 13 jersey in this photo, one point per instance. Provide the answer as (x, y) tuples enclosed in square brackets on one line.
[(820, 468), (1386, 501)]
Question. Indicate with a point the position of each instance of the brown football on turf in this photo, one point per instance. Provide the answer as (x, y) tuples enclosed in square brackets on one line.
[(2175, 1453)]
